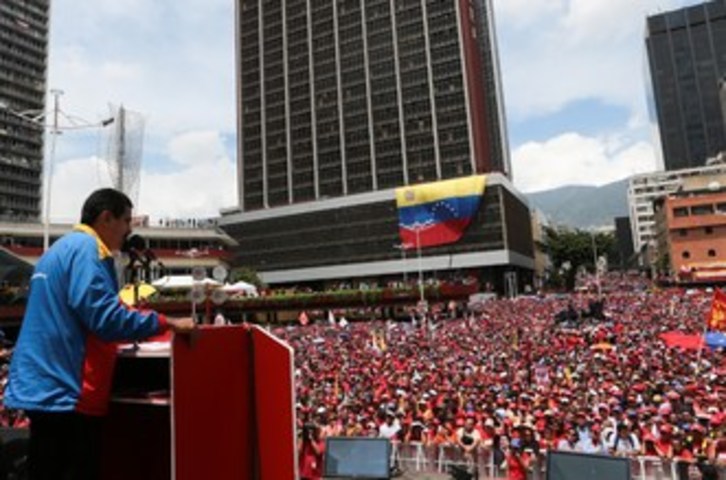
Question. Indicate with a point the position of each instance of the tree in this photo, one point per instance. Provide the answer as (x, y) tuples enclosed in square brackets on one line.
[(246, 274), (571, 249)]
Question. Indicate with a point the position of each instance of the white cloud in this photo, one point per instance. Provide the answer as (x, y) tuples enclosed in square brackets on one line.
[(172, 61), (203, 181), (190, 148), (73, 181), (571, 158), (574, 50)]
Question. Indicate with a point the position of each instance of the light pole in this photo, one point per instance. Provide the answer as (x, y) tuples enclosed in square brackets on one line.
[(596, 265), (402, 248), (420, 265), (48, 169), (38, 118)]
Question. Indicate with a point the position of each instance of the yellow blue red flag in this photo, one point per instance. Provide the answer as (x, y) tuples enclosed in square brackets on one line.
[(437, 213)]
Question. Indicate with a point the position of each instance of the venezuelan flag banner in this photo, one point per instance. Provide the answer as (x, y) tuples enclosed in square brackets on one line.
[(717, 319), (437, 213)]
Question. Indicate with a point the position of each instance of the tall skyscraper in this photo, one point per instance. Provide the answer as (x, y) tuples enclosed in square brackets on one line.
[(350, 96), (687, 57), (342, 101), (23, 61)]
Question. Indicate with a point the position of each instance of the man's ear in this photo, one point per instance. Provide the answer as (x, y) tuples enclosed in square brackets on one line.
[(105, 217)]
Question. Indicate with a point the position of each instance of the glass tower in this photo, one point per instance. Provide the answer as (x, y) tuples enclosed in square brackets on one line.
[(687, 57)]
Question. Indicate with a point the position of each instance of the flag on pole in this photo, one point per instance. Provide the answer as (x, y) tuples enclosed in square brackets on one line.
[(717, 318), (437, 213)]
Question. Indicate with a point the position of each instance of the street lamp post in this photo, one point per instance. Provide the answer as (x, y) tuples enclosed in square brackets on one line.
[(596, 265), (48, 169), (420, 265), (402, 248)]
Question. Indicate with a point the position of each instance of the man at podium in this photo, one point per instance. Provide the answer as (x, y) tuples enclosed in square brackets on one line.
[(62, 367)]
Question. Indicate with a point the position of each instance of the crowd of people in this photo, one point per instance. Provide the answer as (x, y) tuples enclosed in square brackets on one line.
[(518, 379), (8, 418), (515, 378)]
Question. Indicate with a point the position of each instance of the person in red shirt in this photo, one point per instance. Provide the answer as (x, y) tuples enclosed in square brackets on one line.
[(664, 444), (518, 461), (310, 453)]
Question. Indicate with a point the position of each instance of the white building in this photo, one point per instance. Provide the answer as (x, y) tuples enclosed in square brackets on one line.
[(645, 188)]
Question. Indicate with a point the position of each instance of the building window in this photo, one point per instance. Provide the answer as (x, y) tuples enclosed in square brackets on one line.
[(721, 207), (709, 230), (702, 209), (686, 254), (683, 232), (680, 212), (712, 253)]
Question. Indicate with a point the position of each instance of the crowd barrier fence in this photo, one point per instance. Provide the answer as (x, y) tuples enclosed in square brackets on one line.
[(488, 464)]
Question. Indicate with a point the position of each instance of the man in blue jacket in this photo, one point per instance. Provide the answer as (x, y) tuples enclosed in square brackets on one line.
[(63, 361)]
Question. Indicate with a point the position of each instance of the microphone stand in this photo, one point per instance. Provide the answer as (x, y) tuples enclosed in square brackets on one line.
[(134, 280), (140, 259)]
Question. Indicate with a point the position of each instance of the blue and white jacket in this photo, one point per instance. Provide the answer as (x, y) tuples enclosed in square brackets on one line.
[(65, 354)]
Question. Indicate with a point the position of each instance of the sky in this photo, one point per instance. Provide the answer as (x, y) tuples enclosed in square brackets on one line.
[(574, 79)]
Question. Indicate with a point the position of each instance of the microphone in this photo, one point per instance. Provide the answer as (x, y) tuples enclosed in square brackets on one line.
[(134, 245), (133, 242), (150, 256)]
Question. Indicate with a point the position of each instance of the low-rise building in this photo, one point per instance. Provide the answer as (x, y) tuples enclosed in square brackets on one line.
[(691, 232), (647, 187)]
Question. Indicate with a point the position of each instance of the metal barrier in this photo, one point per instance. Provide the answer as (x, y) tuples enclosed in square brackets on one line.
[(652, 468), (417, 457)]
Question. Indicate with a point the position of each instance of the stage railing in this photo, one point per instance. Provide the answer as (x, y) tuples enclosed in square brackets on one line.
[(488, 464)]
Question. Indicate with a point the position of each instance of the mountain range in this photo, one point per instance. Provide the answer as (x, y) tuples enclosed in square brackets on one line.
[(584, 207)]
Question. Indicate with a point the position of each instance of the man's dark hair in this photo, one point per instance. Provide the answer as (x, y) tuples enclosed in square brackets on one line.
[(104, 199)]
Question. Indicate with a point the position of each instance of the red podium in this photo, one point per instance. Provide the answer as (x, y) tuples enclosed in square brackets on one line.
[(219, 404)]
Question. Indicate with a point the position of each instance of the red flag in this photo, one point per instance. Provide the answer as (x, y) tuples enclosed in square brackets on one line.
[(717, 318), (682, 340)]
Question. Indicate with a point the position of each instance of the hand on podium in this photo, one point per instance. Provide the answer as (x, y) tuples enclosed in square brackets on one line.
[(181, 325)]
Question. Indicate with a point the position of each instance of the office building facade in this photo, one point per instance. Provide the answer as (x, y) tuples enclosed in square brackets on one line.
[(344, 97), (356, 237), (23, 65), (687, 57), (342, 101)]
